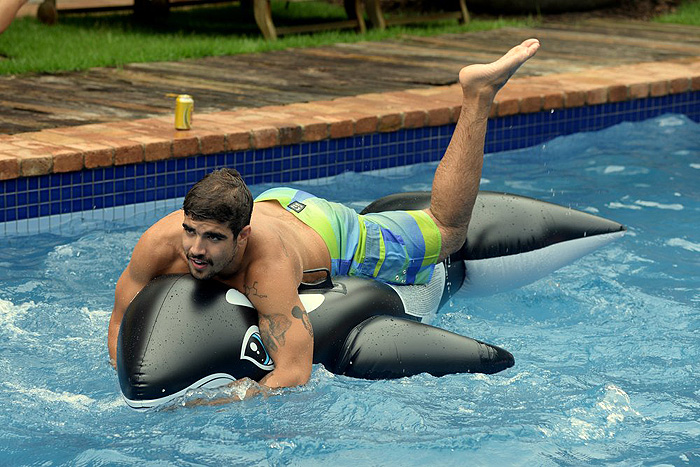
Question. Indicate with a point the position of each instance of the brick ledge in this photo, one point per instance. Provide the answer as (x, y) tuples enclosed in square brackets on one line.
[(92, 146)]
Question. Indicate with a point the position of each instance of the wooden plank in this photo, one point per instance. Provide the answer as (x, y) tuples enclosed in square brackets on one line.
[(684, 32), (616, 41), (120, 5)]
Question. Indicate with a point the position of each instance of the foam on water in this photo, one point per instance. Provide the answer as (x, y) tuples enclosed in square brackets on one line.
[(685, 244), (606, 349)]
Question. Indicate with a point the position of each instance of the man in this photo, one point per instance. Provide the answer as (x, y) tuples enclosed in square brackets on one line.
[(263, 249)]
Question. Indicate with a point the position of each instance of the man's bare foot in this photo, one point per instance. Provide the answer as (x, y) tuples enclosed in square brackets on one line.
[(485, 80)]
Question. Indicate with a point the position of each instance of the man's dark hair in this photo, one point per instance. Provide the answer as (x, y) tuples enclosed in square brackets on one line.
[(220, 196)]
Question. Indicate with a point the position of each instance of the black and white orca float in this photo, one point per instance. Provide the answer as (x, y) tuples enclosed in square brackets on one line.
[(181, 334)]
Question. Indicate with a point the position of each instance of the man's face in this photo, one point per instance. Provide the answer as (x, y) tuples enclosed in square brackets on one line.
[(209, 246)]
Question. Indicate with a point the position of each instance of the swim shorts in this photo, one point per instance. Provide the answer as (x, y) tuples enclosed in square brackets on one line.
[(397, 247)]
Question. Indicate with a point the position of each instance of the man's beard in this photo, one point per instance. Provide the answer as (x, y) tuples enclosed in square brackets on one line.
[(206, 274), (211, 270)]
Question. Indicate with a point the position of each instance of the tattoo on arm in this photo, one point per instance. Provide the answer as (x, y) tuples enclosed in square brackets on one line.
[(273, 330), (304, 317), (253, 290)]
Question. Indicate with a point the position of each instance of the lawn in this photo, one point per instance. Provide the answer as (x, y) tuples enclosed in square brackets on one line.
[(85, 41), (80, 42), (687, 13)]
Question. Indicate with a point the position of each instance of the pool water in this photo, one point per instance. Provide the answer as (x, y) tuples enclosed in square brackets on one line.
[(607, 349)]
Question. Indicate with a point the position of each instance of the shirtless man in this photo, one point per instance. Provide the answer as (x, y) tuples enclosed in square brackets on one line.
[(263, 249)]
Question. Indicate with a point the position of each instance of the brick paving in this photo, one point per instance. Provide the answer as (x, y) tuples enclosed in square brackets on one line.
[(67, 149)]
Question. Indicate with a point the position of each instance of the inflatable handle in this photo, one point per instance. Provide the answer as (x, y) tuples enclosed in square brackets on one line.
[(325, 283)]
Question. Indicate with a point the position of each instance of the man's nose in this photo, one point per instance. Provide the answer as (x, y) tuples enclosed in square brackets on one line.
[(197, 247)]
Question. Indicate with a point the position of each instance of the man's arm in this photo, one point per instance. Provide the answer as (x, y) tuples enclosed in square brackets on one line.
[(151, 258), (284, 325), (129, 284)]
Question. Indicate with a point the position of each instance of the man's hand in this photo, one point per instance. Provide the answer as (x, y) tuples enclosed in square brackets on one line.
[(242, 389)]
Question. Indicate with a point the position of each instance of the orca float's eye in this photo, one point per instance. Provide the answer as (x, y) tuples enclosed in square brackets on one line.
[(254, 350)]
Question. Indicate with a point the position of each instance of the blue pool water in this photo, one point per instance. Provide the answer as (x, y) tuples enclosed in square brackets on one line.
[(607, 349)]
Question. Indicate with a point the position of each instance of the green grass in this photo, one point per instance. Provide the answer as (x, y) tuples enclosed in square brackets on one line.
[(687, 13), (99, 40)]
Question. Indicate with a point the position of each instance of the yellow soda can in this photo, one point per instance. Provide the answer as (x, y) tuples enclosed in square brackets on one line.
[(184, 105)]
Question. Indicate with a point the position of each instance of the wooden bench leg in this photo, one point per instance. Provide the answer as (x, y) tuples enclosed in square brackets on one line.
[(354, 10), (465, 13), (263, 17), (47, 12), (376, 17)]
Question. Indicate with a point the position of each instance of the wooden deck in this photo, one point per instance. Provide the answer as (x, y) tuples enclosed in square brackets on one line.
[(32, 103)]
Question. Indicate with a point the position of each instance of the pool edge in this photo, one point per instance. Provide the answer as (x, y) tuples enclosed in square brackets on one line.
[(282, 144)]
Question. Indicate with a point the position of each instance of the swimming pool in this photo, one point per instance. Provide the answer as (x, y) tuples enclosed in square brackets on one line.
[(606, 349)]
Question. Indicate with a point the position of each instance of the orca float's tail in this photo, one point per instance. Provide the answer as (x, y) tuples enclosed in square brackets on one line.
[(514, 240)]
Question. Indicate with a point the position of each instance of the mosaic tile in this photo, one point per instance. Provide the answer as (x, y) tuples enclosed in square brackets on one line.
[(32, 203)]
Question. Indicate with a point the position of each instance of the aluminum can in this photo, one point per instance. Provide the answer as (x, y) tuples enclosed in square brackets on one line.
[(184, 105)]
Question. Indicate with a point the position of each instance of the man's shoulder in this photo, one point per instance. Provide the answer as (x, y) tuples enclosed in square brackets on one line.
[(162, 241), (167, 227), (274, 261)]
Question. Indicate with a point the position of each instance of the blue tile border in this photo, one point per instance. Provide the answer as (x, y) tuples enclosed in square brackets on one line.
[(27, 201)]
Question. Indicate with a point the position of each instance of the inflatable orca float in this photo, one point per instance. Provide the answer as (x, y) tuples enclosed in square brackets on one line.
[(180, 334)]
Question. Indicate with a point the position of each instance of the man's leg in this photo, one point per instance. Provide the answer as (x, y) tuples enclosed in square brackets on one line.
[(8, 11), (457, 177)]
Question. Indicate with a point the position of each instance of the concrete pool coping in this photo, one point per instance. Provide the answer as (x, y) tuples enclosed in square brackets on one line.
[(91, 146)]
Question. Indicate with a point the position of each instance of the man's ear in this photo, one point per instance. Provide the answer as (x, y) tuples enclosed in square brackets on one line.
[(244, 233)]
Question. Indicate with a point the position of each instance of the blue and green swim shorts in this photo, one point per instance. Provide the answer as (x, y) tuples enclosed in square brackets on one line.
[(397, 247)]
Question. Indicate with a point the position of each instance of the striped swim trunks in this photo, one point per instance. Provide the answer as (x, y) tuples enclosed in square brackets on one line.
[(397, 247)]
